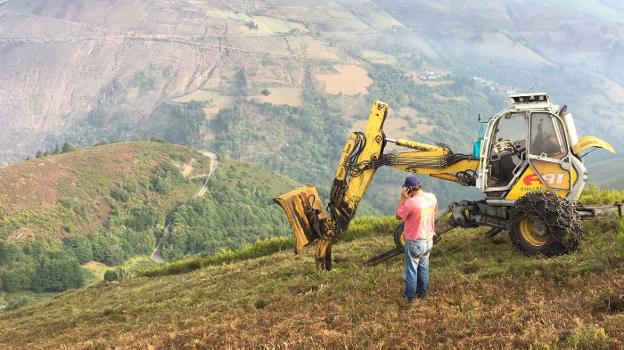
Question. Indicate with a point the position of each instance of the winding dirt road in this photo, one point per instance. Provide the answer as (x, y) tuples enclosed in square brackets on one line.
[(156, 255)]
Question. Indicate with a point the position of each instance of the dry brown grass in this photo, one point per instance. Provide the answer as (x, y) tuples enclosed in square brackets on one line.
[(348, 79), (281, 301), (34, 192), (280, 96)]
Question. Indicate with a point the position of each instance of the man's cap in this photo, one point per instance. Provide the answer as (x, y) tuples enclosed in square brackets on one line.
[(411, 181)]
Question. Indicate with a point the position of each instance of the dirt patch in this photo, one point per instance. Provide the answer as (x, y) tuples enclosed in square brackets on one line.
[(187, 168), (280, 96), (348, 79)]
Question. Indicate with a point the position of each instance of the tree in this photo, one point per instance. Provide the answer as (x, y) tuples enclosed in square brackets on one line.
[(18, 278), (134, 242), (142, 218), (57, 273), (240, 82), (107, 249), (67, 147), (81, 247)]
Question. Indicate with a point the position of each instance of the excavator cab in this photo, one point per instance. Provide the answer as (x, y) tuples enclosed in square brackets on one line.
[(530, 147)]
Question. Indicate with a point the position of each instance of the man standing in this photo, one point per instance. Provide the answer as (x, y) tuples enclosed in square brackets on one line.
[(417, 209)]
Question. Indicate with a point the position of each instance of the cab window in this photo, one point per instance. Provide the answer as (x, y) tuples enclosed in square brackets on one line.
[(508, 148), (547, 138)]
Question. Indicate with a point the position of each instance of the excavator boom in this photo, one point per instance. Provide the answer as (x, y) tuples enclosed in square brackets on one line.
[(361, 156)]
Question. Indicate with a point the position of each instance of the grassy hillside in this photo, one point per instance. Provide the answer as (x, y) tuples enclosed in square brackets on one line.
[(75, 193), (608, 172), (68, 218), (483, 295)]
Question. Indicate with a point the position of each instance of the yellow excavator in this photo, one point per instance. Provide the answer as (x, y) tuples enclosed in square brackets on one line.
[(527, 162)]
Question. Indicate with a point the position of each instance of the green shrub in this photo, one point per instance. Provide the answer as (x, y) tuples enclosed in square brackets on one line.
[(107, 249), (57, 273), (17, 279), (111, 275), (593, 194), (588, 338), (79, 246), (166, 177), (120, 194), (17, 302), (261, 248), (143, 218), (68, 147)]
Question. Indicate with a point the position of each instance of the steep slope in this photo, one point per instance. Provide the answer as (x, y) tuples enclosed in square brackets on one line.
[(608, 172), (575, 55), (74, 193), (483, 294), (107, 205)]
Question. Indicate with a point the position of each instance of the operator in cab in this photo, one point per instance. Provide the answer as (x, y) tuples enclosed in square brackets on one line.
[(417, 209)]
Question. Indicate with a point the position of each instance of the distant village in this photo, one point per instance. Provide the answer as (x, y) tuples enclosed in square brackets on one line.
[(429, 75)]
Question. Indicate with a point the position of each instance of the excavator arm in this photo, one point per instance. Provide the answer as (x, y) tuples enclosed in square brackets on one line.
[(361, 156)]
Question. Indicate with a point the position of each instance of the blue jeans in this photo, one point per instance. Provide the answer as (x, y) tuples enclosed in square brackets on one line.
[(416, 272)]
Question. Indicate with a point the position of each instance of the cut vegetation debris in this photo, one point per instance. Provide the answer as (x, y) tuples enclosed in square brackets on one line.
[(348, 79)]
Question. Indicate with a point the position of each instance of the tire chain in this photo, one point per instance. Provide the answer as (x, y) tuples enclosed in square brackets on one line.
[(566, 218)]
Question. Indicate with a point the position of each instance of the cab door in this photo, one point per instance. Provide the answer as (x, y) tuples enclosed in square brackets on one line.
[(505, 156), (548, 156)]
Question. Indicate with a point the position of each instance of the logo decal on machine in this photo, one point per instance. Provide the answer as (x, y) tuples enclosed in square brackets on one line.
[(551, 179)]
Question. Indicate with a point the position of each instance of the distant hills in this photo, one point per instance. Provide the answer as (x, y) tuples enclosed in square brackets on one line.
[(607, 172)]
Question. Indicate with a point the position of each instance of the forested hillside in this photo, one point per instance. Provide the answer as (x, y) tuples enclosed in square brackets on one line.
[(110, 203)]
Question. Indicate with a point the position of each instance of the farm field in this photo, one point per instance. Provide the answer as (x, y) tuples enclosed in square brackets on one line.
[(348, 79)]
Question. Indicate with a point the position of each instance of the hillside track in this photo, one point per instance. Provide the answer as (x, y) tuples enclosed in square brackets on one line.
[(156, 255)]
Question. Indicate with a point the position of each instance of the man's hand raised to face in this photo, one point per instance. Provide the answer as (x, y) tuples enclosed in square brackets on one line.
[(404, 193)]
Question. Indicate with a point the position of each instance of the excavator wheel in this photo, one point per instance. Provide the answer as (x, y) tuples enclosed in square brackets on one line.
[(399, 238), (542, 223)]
